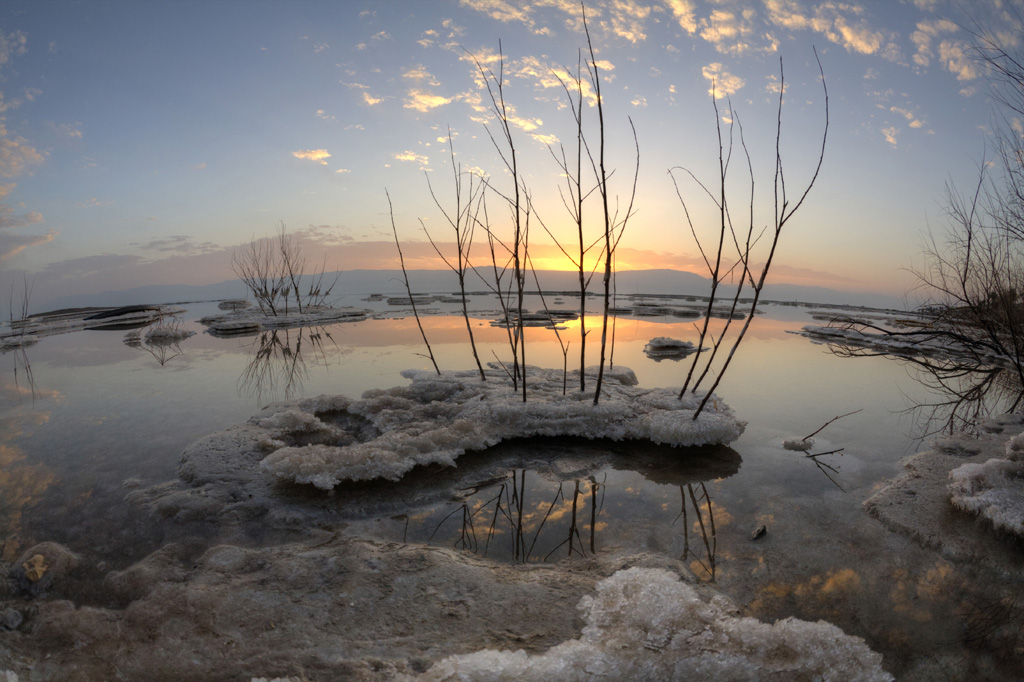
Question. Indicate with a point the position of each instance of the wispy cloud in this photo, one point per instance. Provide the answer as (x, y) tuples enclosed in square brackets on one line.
[(93, 202), (955, 57), (912, 119), (890, 134), (723, 83), (370, 99), (413, 157), (17, 156), (420, 73), (926, 34), (626, 19), (424, 101), (318, 155), (502, 10), (12, 45), (729, 31), (178, 243), (842, 23), (684, 12)]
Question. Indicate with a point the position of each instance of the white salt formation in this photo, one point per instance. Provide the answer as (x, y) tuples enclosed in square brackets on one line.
[(440, 417), (993, 489), (239, 319), (644, 624), (665, 347)]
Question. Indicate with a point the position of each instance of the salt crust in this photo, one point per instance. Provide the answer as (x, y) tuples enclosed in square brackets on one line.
[(645, 623), (993, 489), (440, 417), (310, 317)]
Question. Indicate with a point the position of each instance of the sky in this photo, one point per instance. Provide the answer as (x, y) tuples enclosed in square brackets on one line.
[(146, 142)]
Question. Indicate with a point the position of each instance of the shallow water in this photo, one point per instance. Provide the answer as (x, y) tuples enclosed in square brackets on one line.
[(100, 418)]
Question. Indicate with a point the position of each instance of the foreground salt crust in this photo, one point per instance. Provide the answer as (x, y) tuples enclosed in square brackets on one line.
[(993, 489), (645, 623), (440, 417)]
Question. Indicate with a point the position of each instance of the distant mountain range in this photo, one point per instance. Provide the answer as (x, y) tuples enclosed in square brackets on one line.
[(648, 282)]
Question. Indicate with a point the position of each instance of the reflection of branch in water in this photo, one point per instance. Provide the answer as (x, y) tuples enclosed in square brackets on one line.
[(162, 351), (822, 466), (21, 361), (277, 363), (710, 541), (966, 390), (509, 507)]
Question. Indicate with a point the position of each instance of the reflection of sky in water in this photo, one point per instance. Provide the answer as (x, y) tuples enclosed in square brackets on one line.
[(105, 413)]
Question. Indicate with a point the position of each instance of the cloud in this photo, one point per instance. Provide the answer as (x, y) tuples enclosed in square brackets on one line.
[(626, 19), (13, 244), (547, 140), (343, 170), (179, 243), (413, 157), (423, 101), (954, 56), (371, 100), (93, 203), (912, 119), (890, 135), (10, 220), (639, 101), (683, 12), (723, 83), (787, 14), (840, 22), (17, 156), (313, 155), (12, 45), (502, 10), (927, 31), (728, 31), (199, 166), (420, 72)]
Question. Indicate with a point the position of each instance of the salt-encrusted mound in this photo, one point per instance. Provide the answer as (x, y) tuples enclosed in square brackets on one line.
[(311, 316), (440, 417), (644, 624), (993, 489)]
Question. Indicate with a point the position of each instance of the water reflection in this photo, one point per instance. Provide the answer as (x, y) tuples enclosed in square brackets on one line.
[(512, 517), (277, 367), (595, 497), (961, 391), (24, 381)]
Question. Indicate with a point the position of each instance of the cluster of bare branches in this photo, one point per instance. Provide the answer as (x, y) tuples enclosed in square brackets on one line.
[(510, 261), (972, 278), (273, 269), (742, 251), (732, 253)]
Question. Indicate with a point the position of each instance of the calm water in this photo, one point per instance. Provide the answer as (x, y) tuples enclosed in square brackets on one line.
[(99, 416)]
